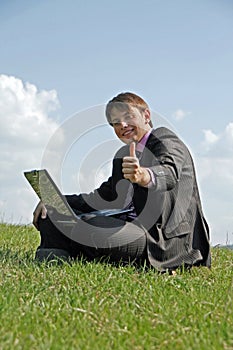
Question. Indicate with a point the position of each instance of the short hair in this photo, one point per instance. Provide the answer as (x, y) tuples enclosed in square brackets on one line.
[(123, 100)]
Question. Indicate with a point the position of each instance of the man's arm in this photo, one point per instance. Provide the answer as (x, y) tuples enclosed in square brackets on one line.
[(107, 196), (170, 155)]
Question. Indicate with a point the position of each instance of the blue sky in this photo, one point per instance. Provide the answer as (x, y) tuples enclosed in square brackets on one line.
[(78, 54)]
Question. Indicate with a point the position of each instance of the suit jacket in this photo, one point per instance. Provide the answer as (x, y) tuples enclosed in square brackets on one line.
[(171, 212)]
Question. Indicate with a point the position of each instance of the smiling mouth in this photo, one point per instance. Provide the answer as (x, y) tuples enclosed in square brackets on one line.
[(128, 133)]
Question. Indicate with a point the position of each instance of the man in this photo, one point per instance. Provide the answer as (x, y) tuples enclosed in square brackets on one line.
[(154, 175)]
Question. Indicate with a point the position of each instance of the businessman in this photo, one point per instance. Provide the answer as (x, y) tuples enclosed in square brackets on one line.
[(152, 174)]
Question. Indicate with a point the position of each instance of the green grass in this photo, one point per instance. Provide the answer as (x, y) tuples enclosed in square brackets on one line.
[(97, 306)]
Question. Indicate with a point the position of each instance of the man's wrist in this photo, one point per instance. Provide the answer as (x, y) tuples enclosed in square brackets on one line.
[(146, 177), (151, 181)]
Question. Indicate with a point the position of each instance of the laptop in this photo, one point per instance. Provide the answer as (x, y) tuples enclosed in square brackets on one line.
[(56, 203)]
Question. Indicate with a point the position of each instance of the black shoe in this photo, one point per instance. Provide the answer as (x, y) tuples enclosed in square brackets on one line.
[(49, 254)]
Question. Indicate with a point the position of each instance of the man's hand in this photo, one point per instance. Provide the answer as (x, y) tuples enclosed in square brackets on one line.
[(132, 170), (40, 211)]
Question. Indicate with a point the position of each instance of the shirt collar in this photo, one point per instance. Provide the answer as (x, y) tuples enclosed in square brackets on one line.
[(141, 144)]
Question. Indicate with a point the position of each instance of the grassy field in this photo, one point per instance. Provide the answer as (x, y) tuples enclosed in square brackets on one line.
[(97, 306)]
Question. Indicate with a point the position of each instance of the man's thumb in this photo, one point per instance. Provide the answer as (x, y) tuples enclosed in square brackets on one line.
[(132, 151)]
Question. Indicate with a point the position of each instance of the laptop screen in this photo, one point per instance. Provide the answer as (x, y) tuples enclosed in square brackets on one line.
[(48, 192)]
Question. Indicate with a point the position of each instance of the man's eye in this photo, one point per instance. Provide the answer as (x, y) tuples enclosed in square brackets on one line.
[(126, 119), (130, 116), (115, 124)]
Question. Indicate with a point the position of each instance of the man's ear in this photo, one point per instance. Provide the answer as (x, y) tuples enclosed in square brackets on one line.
[(147, 115)]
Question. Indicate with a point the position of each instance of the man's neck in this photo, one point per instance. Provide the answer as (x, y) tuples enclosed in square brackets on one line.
[(141, 144), (145, 135)]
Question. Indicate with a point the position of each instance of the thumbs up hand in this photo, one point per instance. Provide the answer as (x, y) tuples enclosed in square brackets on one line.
[(132, 170), (132, 150)]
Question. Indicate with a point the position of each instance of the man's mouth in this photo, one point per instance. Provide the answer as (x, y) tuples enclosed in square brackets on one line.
[(128, 133)]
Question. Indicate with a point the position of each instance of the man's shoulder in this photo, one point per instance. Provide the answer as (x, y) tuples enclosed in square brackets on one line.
[(162, 130), (164, 137), (161, 134)]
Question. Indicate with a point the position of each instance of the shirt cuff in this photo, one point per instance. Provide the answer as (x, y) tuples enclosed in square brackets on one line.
[(152, 182)]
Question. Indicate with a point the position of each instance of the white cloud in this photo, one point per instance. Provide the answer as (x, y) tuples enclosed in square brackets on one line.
[(218, 145), (215, 165), (25, 128), (180, 114), (229, 134), (210, 137)]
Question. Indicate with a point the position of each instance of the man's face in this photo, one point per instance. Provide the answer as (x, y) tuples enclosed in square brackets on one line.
[(130, 124)]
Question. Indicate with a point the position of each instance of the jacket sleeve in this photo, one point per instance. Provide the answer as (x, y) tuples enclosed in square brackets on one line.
[(96, 200), (168, 155)]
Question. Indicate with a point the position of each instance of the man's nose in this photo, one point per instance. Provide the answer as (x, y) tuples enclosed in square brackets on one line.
[(123, 124)]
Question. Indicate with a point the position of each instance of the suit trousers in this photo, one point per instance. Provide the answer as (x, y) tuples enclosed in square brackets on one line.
[(99, 238)]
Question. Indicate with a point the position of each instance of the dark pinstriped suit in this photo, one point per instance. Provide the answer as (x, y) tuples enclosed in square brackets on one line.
[(171, 212)]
